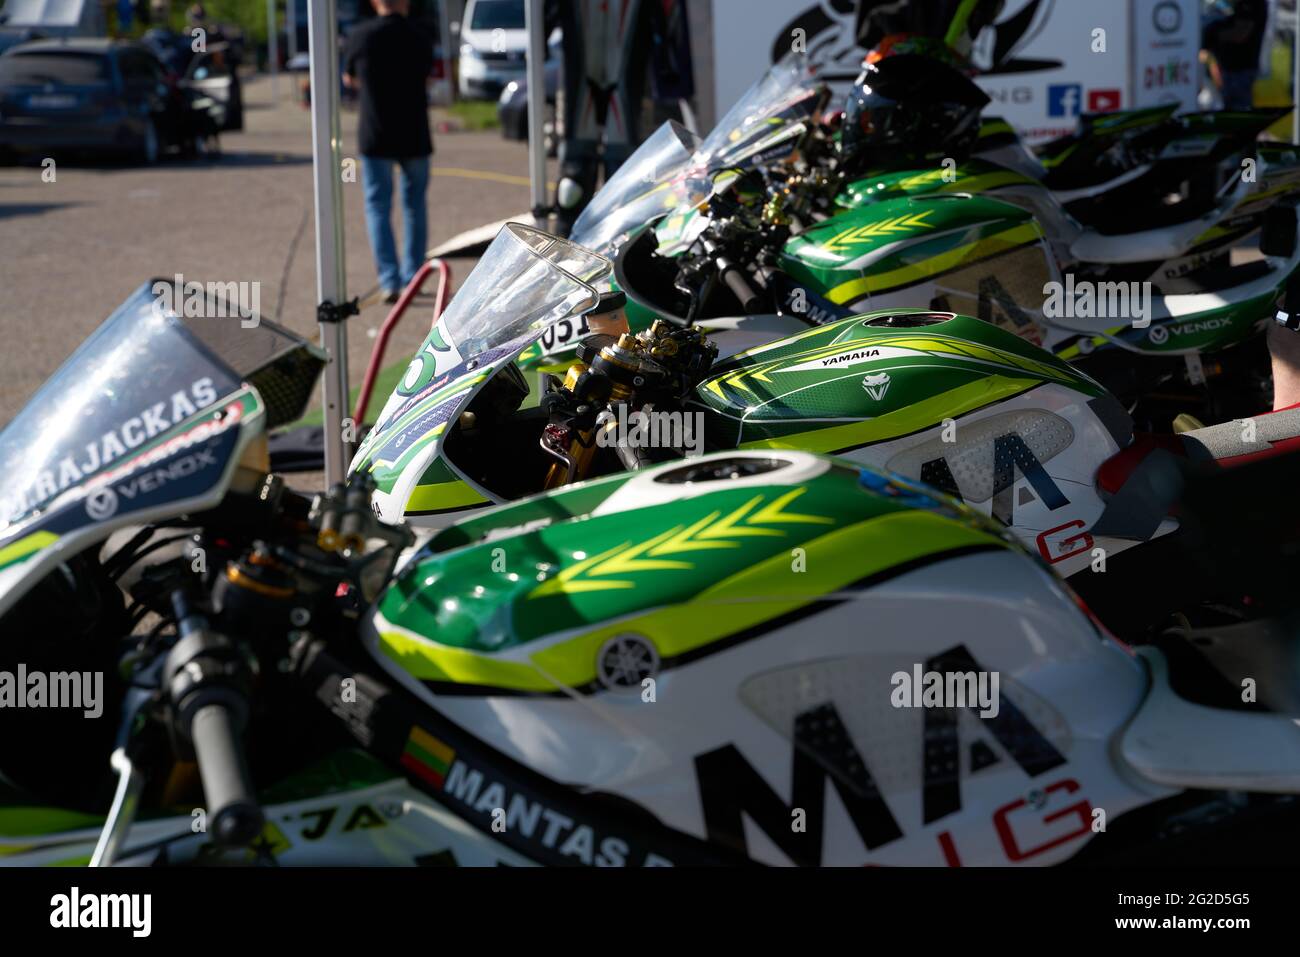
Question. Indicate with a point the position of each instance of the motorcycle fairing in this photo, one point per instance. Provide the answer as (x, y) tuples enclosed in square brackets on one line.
[(1183, 319), (1183, 323), (815, 378), (382, 820), (402, 452), (574, 562), (194, 462), (526, 281), (888, 246), (972, 176)]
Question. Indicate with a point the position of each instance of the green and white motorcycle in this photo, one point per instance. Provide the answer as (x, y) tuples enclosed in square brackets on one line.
[(652, 668), (768, 238)]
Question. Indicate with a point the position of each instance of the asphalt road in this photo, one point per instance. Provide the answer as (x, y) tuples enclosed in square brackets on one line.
[(71, 250)]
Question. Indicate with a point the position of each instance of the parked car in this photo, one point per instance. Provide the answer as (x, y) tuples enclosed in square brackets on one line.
[(213, 74), (105, 98), (12, 36), (212, 71), (512, 105), (493, 45)]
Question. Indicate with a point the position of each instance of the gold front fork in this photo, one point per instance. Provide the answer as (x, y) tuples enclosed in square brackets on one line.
[(583, 447)]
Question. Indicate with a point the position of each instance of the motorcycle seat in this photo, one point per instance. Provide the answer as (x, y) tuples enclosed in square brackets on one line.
[(1241, 441), (1147, 245), (1227, 445)]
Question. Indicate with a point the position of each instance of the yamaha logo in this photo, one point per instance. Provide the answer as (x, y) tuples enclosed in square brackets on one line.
[(625, 661), (876, 384)]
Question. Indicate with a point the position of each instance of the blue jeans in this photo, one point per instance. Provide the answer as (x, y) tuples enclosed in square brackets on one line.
[(1238, 89), (377, 175)]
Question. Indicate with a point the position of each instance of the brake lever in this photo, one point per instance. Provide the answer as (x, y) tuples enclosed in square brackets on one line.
[(140, 696), (126, 801)]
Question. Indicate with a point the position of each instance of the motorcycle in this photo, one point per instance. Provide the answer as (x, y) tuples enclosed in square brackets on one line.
[(1137, 309), (674, 169), (617, 672)]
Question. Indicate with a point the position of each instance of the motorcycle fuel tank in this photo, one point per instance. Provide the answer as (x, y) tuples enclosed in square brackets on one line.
[(1014, 431), (968, 254)]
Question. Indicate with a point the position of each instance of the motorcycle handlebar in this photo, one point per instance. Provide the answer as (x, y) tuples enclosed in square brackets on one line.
[(207, 681), (735, 280), (235, 816)]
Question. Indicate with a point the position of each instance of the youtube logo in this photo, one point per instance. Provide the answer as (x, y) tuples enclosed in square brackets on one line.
[(1103, 101)]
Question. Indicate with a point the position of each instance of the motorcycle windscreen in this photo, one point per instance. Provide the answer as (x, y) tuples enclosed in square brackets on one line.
[(142, 416), (1006, 289), (786, 94), (657, 178), (226, 318), (525, 280)]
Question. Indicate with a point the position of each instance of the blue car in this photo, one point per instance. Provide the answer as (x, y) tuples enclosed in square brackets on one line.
[(105, 98)]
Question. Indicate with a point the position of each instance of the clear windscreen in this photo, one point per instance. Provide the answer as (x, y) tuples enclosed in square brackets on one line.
[(141, 373), (525, 280), (1005, 290), (787, 93), (660, 176)]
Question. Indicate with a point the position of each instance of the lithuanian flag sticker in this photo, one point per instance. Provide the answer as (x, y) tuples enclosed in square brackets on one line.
[(427, 757)]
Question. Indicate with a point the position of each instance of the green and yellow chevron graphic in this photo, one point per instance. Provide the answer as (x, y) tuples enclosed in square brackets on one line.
[(926, 344), (610, 569), (857, 235), (756, 593), (943, 262), (736, 379), (919, 180)]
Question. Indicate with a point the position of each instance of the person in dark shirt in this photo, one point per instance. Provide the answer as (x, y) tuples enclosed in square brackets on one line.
[(388, 61), (1235, 41)]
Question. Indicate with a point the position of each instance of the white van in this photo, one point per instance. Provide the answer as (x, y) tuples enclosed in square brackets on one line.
[(493, 44)]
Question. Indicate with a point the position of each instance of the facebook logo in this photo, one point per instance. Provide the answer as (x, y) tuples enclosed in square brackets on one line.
[(1064, 99)]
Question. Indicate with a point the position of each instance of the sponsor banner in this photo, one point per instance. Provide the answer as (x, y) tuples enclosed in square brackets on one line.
[(119, 441), (545, 821), (1166, 45), (1054, 75), (1069, 73), (183, 464)]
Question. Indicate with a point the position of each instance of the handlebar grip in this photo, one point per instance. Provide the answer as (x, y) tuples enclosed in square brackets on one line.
[(234, 815), (740, 288)]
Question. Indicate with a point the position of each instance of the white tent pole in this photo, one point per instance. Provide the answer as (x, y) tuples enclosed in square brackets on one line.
[(331, 282), (535, 21)]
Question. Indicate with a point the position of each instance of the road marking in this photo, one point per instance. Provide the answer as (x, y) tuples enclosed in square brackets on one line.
[(483, 174)]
